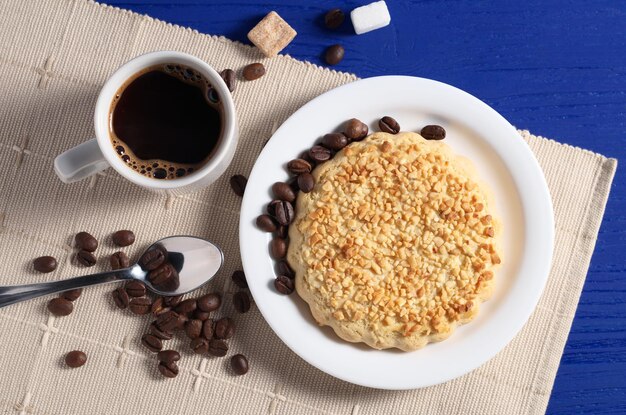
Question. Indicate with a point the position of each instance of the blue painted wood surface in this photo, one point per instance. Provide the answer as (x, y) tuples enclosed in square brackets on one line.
[(557, 68)]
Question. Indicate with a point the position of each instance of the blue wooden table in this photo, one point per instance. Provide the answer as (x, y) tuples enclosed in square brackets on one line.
[(557, 68)]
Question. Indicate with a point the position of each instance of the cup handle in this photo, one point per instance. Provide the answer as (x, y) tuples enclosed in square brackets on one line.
[(80, 162)]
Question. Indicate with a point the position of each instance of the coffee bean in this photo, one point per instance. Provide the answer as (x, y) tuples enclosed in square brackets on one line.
[(172, 301), (45, 264), (389, 125), (72, 295), (158, 307), (218, 348), (152, 342), (282, 232), (355, 130), (75, 359), (433, 132), (135, 288), (171, 285), (199, 345), (253, 71), (282, 191), (161, 334), (169, 321), (224, 328), (152, 259), (241, 302), (168, 356), (334, 54), (271, 207), (334, 18), (120, 296), (239, 278), (193, 328), (284, 213), (292, 182), (60, 306), (278, 248), (201, 315), (304, 155), (187, 306), (239, 363), (140, 305), (238, 184), (208, 328), (285, 269), (123, 238), (86, 242), (182, 319), (161, 275), (86, 258), (228, 75), (266, 223), (168, 369), (209, 302), (335, 141), (306, 182), (299, 166), (284, 284), (119, 260), (320, 154)]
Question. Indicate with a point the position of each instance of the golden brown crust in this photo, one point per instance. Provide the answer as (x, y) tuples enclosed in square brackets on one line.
[(395, 245)]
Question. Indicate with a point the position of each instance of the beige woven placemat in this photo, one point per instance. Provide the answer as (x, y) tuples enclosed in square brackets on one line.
[(54, 56)]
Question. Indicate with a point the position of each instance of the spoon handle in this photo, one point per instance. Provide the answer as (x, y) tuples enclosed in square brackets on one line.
[(15, 293)]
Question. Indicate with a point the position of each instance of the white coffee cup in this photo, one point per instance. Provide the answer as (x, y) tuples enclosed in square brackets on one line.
[(98, 154)]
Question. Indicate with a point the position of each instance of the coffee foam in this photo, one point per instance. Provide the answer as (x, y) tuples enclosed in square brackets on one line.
[(157, 168)]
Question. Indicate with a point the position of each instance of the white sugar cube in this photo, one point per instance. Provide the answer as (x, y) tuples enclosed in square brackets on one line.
[(370, 17)]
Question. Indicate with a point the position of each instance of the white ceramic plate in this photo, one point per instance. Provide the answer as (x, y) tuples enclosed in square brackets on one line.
[(503, 161)]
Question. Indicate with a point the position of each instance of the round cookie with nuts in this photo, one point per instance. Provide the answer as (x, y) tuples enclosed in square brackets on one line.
[(396, 244)]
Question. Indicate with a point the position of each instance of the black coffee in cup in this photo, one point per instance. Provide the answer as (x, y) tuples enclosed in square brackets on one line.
[(166, 121)]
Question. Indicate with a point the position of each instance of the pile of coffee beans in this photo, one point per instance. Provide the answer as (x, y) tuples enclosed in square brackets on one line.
[(86, 245), (171, 314), (280, 212), (191, 316), (63, 305)]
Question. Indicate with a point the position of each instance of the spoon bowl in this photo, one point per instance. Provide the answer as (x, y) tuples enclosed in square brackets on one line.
[(196, 261)]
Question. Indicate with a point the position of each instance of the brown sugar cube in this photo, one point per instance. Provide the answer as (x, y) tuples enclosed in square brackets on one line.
[(272, 34)]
